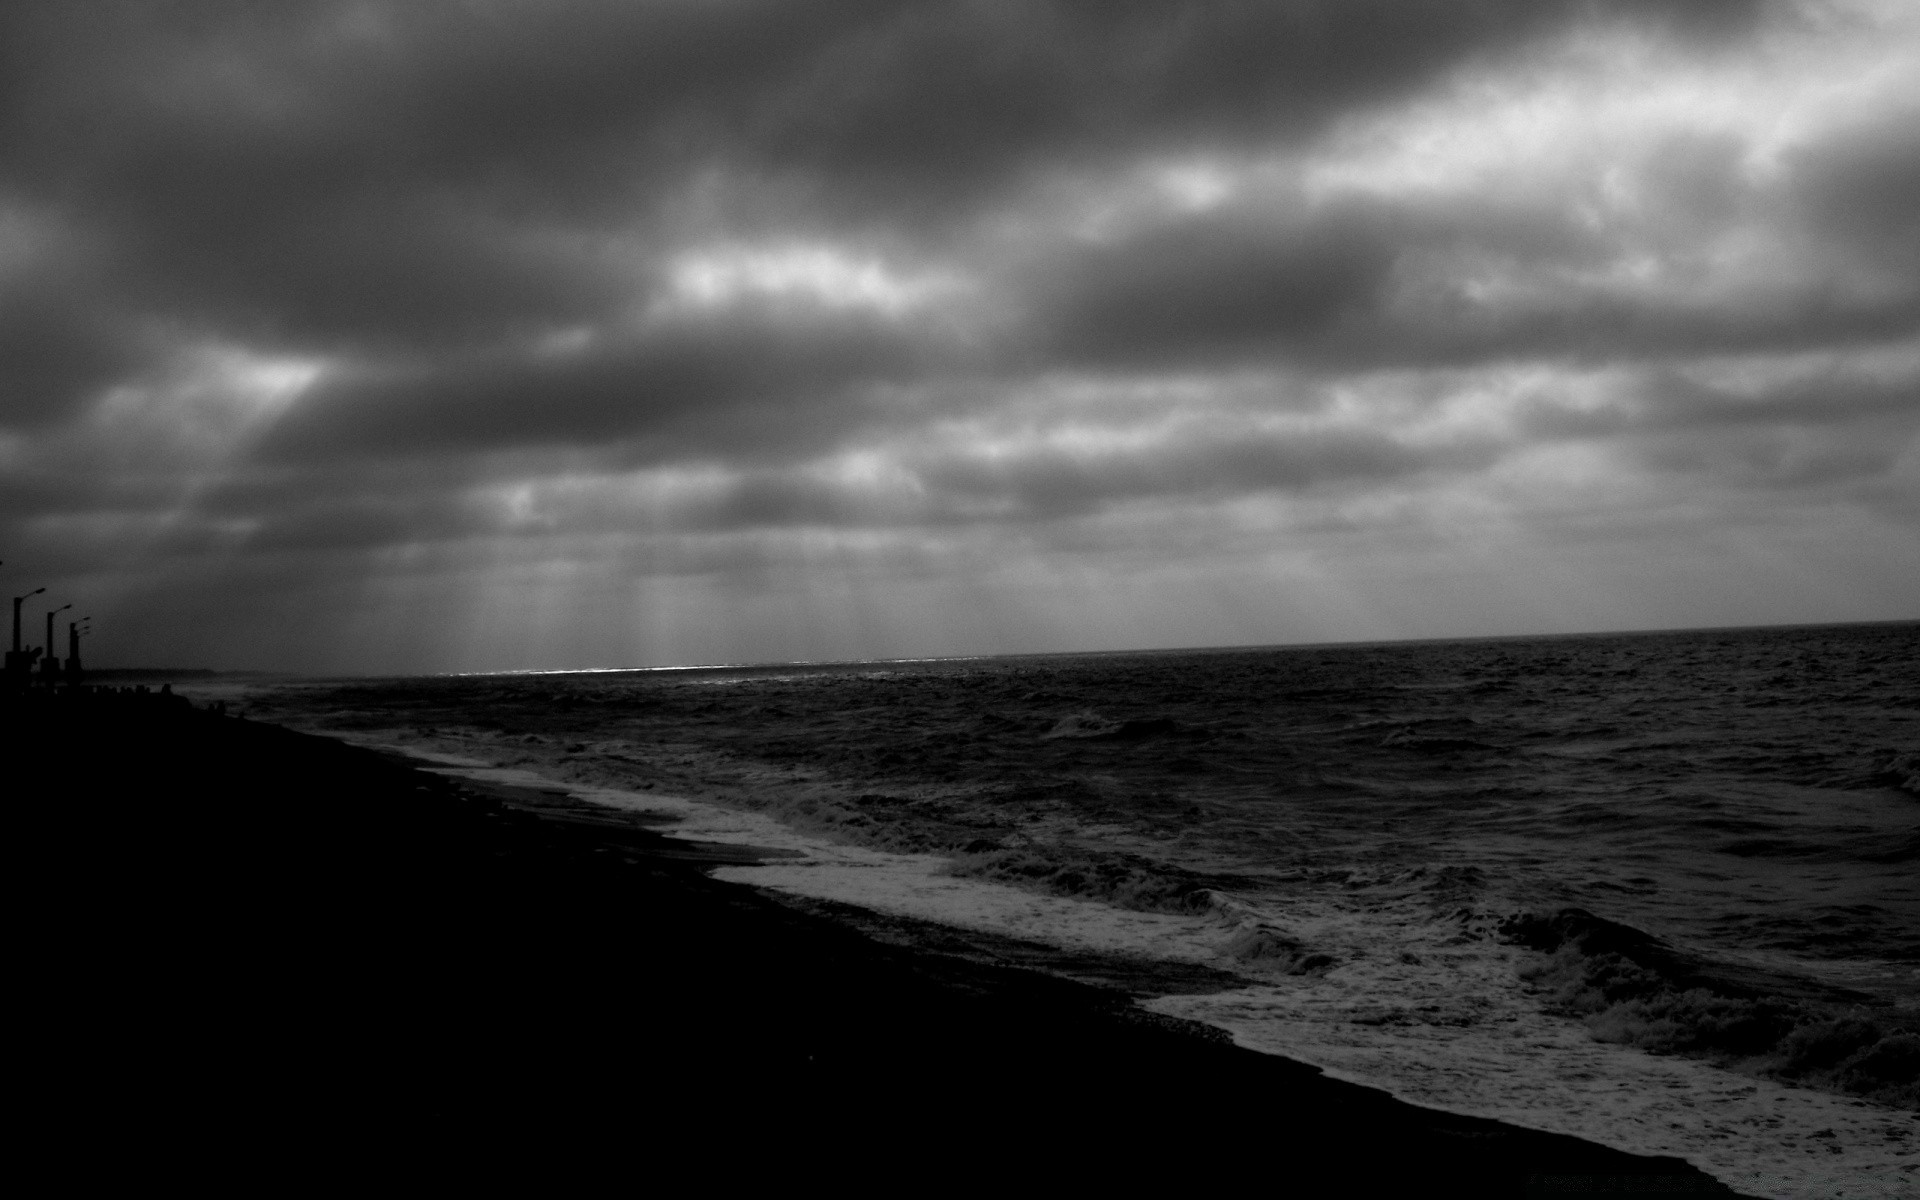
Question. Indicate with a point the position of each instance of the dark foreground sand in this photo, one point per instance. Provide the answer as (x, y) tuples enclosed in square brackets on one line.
[(246, 944)]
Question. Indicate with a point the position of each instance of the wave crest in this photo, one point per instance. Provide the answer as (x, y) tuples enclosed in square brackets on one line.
[(1131, 881), (1630, 987)]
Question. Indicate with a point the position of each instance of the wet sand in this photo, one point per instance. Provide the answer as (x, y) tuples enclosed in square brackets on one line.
[(242, 937)]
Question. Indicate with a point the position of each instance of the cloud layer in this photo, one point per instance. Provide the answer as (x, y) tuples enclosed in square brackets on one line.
[(386, 336)]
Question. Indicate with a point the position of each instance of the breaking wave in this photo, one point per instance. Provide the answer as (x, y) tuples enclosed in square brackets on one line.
[(1633, 988), (1139, 883)]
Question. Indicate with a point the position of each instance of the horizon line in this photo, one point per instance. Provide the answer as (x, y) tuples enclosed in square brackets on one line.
[(776, 664)]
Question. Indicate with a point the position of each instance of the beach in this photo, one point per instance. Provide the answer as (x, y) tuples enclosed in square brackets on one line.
[(265, 938), (1652, 891)]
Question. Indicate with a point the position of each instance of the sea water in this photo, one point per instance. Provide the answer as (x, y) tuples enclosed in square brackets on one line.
[(1661, 890)]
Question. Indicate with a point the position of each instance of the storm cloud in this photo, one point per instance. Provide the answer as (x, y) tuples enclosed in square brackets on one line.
[(363, 335)]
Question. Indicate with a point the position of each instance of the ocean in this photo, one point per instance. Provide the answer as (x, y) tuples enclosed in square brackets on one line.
[(1660, 890)]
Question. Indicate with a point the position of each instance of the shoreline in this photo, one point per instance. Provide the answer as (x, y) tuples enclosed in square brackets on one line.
[(446, 955), (1636, 1110)]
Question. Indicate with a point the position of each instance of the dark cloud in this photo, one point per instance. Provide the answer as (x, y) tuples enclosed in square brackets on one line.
[(1214, 290), (1784, 457), (950, 99), (697, 390), (314, 301), (1047, 484), (1863, 187), (1830, 429), (56, 354), (1362, 284), (390, 177), (331, 174), (344, 174), (1667, 400), (1050, 484), (362, 524)]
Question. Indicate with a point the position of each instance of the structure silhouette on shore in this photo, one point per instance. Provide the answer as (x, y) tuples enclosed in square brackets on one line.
[(20, 674), (58, 685)]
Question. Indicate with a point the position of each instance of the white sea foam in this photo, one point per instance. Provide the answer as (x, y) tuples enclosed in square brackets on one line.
[(906, 885), (1442, 1025)]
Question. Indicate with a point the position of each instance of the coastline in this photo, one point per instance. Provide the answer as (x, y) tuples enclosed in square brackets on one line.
[(332, 943)]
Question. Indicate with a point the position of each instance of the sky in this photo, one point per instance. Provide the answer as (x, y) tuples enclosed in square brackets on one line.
[(384, 337)]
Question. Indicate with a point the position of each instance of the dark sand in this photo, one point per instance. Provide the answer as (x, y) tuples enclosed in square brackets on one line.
[(241, 941)]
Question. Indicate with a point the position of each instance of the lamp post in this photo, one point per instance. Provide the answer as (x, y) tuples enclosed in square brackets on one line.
[(50, 613), (50, 663), (19, 665), (17, 602), (74, 633)]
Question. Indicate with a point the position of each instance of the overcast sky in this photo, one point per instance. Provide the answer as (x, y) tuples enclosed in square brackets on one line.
[(411, 336)]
